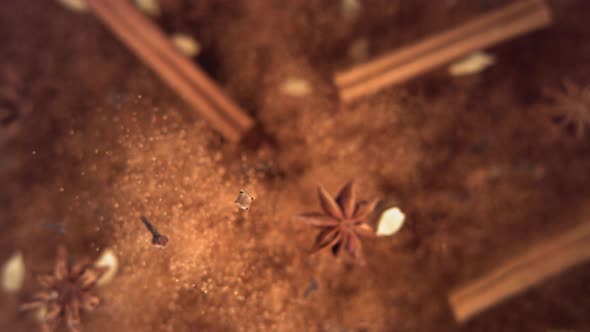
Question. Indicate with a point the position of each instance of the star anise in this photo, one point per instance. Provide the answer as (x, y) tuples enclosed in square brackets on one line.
[(12, 107), (343, 222), (65, 292), (572, 111)]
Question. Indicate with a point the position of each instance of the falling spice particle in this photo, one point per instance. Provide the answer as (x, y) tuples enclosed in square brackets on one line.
[(150, 7), (158, 240), (571, 110), (186, 44), (313, 286), (75, 5), (41, 314), (390, 222), (472, 64), (13, 273), (295, 87), (358, 51), (351, 8), (244, 199), (110, 263)]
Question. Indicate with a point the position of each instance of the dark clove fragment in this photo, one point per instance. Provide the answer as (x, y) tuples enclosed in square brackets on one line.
[(313, 285), (158, 240)]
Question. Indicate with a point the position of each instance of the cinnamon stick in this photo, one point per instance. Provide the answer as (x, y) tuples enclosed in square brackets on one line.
[(505, 23), (540, 262), (186, 78)]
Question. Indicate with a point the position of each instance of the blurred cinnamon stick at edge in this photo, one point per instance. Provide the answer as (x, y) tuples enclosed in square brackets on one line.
[(501, 24), (155, 49), (538, 263)]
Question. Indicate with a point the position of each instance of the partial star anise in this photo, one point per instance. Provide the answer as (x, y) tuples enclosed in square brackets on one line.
[(65, 292), (343, 222), (572, 109)]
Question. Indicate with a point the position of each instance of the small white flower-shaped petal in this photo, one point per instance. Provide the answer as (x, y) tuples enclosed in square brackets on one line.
[(13, 273), (109, 260), (472, 64), (150, 7), (390, 222), (75, 5), (295, 87), (186, 44)]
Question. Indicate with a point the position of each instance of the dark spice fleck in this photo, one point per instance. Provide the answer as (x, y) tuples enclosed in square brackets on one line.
[(158, 240)]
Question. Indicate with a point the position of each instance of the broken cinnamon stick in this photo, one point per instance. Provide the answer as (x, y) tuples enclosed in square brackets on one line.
[(187, 79), (540, 262), (502, 24)]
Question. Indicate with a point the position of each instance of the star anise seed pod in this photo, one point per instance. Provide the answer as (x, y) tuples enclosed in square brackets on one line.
[(343, 222), (572, 111), (65, 293)]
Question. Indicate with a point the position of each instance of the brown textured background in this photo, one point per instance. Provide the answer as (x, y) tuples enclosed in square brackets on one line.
[(473, 161)]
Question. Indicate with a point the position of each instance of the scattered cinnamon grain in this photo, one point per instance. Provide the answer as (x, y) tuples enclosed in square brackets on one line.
[(186, 44), (75, 5), (107, 260), (474, 63), (390, 222), (295, 87), (150, 7), (13, 273), (351, 8)]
